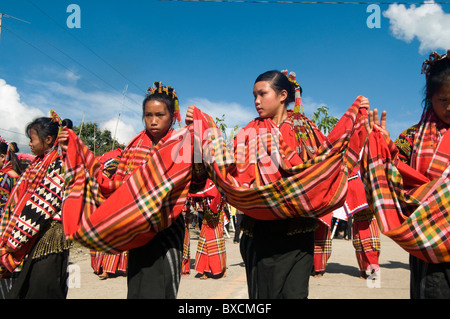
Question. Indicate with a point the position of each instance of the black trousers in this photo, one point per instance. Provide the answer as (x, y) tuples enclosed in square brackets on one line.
[(429, 281), (278, 266), (43, 278), (154, 270)]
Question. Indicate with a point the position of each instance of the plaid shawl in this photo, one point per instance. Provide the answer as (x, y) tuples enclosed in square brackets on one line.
[(269, 180), (412, 202), (145, 196), (18, 199), (276, 186)]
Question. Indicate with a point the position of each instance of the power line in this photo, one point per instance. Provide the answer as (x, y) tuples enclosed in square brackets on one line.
[(3, 129), (312, 2), (54, 60), (92, 51), (80, 64)]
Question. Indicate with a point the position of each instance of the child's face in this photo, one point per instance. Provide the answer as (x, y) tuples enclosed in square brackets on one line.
[(441, 103), (157, 119), (37, 146), (268, 102)]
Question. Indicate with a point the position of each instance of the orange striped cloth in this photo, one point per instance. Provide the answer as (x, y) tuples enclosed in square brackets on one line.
[(273, 187), (412, 202)]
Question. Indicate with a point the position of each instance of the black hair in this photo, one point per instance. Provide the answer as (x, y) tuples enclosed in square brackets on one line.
[(3, 148), (44, 126), (167, 96), (438, 75), (67, 123), (163, 98), (13, 149), (279, 82)]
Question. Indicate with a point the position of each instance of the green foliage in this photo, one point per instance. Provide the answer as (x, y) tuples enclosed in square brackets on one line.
[(220, 122), (98, 141), (323, 121)]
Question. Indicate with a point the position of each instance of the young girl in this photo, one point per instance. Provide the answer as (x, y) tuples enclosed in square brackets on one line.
[(10, 170), (285, 174), (154, 267), (414, 174), (154, 270), (278, 255), (31, 228), (210, 259)]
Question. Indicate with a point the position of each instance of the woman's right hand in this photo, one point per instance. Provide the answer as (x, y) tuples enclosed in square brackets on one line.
[(372, 121), (190, 115)]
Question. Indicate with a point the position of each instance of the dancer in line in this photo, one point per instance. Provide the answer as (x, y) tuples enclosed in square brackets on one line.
[(32, 235), (407, 183)]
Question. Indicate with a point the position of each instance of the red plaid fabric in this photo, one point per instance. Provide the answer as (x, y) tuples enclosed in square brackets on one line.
[(276, 186), (411, 202)]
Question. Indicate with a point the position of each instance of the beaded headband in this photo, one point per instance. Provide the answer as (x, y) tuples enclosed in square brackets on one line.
[(170, 92), (432, 60)]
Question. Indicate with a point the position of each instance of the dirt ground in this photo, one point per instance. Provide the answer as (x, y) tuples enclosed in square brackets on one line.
[(341, 280)]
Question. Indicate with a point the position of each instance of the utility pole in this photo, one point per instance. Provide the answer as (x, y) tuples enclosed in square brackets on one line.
[(8, 16), (117, 123)]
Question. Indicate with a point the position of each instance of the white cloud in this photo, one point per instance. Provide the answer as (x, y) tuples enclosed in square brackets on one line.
[(235, 114), (428, 23), (15, 115), (122, 131)]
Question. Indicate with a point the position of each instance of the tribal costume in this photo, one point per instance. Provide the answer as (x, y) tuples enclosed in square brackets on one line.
[(407, 185), (7, 183), (102, 263), (31, 225), (211, 253), (322, 246), (366, 240), (366, 233), (188, 216), (265, 178), (163, 255)]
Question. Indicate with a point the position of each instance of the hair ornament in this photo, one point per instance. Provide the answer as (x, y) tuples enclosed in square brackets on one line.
[(432, 60), (304, 132), (298, 105), (56, 119)]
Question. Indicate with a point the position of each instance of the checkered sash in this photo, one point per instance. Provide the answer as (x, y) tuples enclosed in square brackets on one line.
[(155, 194), (411, 209), (148, 201), (268, 181)]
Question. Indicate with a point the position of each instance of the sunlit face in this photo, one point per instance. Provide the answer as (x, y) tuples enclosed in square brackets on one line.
[(37, 146), (268, 102), (2, 159), (441, 103), (157, 119)]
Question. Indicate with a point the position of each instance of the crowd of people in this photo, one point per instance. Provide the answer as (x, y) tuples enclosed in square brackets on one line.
[(282, 177)]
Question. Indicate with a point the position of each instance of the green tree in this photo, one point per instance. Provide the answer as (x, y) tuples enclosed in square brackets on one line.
[(220, 122), (98, 141), (323, 120)]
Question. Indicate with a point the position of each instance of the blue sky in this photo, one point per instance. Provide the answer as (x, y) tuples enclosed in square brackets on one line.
[(211, 53)]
